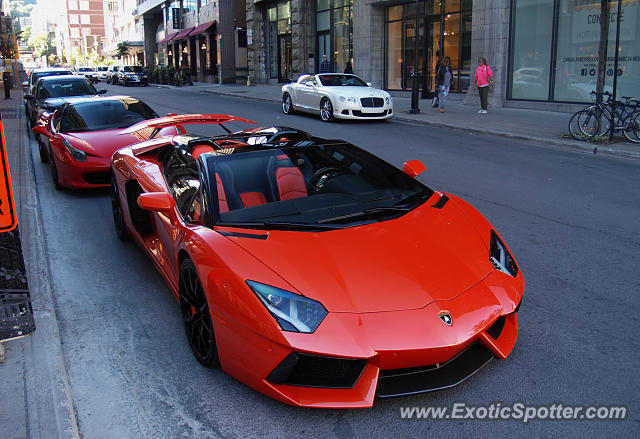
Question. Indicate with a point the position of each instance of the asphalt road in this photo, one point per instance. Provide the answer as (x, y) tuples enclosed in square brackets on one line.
[(571, 220)]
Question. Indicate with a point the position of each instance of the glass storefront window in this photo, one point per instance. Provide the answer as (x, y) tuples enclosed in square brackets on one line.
[(323, 21), (531, 49), (343, 38), (284, 11), (394, 13), (452, 6), (279, 41), (578, 47), (322, 5), (334, 27), (394, 55)]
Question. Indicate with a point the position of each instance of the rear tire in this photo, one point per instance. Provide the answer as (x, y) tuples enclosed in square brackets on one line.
[(196, 316)]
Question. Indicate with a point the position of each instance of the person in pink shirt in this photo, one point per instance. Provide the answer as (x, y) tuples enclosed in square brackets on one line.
[(482, 79)]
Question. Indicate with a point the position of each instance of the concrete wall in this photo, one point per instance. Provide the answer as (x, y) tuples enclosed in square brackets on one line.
[(490, 38), (368, 41)]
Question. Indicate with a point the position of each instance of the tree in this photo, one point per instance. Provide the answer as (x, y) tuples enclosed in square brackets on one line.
[(40, 44), (122, 49)]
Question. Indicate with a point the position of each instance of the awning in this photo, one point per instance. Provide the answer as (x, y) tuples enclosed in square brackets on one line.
[(183, 33), (168, 38), (202, 28)]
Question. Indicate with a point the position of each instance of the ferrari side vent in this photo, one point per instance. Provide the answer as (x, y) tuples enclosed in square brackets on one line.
[(305, 370), (496, 329), (441, 202)]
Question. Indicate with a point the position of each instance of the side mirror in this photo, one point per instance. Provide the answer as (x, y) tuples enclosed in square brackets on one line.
[(369, 84), (40, 129), (413, 168), (25, 84), (102, 92), (29, 97), (156, 201)]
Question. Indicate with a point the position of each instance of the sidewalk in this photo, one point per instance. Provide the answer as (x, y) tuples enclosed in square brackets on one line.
[(542, 127), (36, 399)]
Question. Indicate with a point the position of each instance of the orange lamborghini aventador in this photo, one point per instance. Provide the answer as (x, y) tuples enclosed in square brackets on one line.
[(311, 270)]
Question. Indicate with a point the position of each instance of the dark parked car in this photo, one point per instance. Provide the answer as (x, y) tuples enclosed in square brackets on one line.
[(112, 74), (52, 91), (128, 75), (89, 73), (41, 73)]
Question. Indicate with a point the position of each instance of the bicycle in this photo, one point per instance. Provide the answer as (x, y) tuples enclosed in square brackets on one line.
[(597, 118)]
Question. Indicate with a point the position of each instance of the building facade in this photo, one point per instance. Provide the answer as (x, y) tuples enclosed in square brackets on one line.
[(121, 26), (80, 29), (207, 37), (541, 51)]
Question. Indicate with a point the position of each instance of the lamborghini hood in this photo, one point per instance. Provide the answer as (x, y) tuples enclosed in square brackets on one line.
[(406, 263)]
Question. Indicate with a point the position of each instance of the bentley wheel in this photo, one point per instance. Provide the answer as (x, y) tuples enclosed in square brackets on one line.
[(287, 105), (196, 316), (326, 110), (116, 209)]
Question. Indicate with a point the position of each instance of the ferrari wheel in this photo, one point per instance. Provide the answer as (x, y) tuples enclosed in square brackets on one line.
[(326, 110), (196, 316), (287, 104), (54, 175), (44, 156), (116, 208)]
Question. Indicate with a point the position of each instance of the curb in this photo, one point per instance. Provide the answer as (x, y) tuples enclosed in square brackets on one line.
[(49, 406), (569, 145)]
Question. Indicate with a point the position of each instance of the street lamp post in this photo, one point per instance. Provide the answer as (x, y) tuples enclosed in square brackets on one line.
[(414, 75)]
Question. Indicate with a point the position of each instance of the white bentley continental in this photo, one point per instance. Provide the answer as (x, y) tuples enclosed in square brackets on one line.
[(336, 95)]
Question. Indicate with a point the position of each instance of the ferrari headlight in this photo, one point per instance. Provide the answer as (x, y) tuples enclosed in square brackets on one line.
[(75, 153), (293, 312), (500, 256), (352, 100)]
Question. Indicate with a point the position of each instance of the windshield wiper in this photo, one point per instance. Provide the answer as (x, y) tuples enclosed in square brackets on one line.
[(364, 213), (270, 225), (416, 199)]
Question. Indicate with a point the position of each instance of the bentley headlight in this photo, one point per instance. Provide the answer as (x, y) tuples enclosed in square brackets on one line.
[(500, 256), (352, 100), (387, 100), (293, 312), (75, 153), (342, 99)]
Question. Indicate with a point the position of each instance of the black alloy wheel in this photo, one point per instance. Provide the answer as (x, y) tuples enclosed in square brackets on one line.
[(44, 156), (54, 174), (116, 209), (196, 316)]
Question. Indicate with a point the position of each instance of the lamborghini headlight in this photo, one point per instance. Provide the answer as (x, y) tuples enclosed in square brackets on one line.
[(500, 256), (75, 153), (293, 312)]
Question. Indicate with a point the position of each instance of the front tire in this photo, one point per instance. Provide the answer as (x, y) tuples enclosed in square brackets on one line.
[(287, 104), (44, 156), (326, 110), (196, 316), (54, 174), (116, 209)]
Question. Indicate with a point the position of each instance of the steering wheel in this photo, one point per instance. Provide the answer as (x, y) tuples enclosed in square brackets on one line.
[(320, 177)]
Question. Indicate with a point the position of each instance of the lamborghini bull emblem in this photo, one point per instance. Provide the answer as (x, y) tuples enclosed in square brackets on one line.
[(446, 317)]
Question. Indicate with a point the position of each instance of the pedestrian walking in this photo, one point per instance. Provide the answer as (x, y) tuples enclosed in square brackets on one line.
[(444, 77), (6, 79), (482, 79), (325, 65)]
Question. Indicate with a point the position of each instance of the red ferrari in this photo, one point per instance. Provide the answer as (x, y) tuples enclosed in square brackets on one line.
[(83, 134), (311, 270)]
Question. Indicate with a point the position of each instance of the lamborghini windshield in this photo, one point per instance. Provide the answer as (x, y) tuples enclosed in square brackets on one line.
[(321, 186)]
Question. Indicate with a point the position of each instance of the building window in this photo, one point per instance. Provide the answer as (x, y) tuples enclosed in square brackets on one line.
[(73, 5), (85, 19), (188, 5), (84, 5), (334, 26), (75, 32), (279, 40), (73, 19), (112, 6)]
